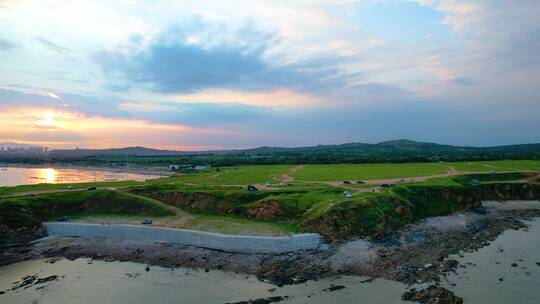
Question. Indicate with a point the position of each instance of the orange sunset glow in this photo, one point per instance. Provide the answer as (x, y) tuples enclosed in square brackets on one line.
[(65, 129)]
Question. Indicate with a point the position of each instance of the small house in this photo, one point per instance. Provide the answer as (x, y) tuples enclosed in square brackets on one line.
[(202, 167), (180, 167)]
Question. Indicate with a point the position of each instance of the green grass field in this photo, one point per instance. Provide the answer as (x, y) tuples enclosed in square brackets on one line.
[(6, 191), (532, 165), (367, 171), (239, 175), (471, 166), (496, 165), (219, 201)]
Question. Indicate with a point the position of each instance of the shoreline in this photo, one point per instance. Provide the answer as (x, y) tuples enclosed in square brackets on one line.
[(144, 171), (416, 256)]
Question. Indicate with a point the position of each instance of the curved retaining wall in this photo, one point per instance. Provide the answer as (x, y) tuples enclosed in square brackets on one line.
[(217, 241)]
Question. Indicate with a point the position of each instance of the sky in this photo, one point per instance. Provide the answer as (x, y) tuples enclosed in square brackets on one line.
[(198, 75)]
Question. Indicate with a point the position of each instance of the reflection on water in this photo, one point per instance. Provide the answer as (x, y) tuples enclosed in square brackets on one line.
[(506, 271), (50, 175), (23, 176), (122, 282)]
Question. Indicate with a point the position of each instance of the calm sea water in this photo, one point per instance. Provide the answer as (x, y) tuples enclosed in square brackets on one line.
[(124, 282), (13, 176), (479, 282)]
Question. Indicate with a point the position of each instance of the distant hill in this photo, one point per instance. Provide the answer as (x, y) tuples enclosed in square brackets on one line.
[(401, 150), (129, 151), (401, 146), (14, 145)]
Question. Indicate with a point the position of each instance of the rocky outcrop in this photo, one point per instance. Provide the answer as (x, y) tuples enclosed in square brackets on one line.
[(381, 214), (432, 295), (373, 216), (510, 191)]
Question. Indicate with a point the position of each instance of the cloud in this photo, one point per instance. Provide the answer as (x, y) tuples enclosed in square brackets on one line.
[(60, 128), (463, 81), (6, 45), (200, 114), (282, 73), (53, 46), (174, 63), (52, 95)]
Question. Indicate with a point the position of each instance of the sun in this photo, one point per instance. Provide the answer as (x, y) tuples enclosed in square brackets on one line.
[(48, 118)]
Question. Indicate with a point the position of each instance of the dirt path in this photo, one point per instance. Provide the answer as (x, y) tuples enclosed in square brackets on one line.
[(288, 177), (180, 219), (175, 210), (450, 172)]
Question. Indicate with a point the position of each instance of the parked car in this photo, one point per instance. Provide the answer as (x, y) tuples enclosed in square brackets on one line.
[(147, 222), (385, 185), (91, 188), (346, 182), (360, 182), (62, 219), (252, 188)]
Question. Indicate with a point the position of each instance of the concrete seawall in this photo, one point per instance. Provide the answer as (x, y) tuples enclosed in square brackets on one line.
[(217, 241)]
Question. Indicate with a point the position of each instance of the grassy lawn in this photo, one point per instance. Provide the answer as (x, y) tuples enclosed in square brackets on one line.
[(216, 204), (6, 191), (470, 166), (238, 225), (496, 165), (202, 222), (26, 210), (532, 165), (238, 175), (367, 171)]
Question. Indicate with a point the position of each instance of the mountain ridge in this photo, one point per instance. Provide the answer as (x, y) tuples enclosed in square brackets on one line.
[(391, 146)]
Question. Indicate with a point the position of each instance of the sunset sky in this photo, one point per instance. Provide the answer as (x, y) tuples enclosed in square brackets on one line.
[(196, 75)]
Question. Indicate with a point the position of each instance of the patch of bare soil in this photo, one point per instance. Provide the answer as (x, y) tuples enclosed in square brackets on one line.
[(288, 177)]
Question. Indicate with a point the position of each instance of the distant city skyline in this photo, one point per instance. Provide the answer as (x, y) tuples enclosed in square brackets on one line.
[(203, 75)]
